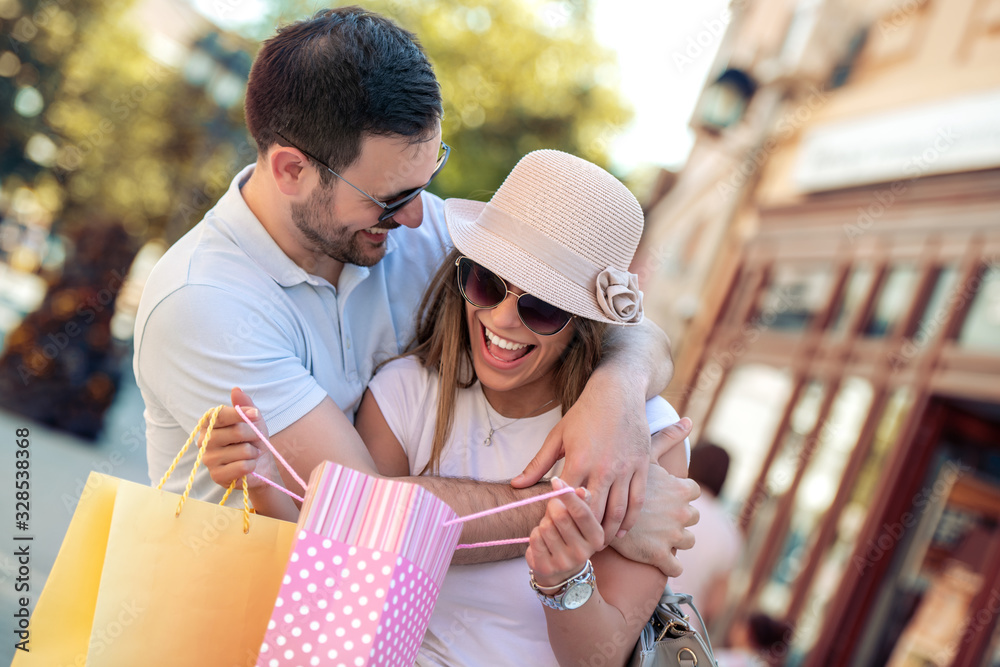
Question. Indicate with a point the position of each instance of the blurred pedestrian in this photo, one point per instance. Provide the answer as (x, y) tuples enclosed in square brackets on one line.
[(718, 543), (757, 640)]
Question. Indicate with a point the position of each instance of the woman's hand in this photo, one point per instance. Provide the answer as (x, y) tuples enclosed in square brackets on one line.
[(606, 445), (567, 536), (234, 451)]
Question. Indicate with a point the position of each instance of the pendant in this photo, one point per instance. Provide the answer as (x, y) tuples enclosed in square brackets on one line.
[(489, 439)]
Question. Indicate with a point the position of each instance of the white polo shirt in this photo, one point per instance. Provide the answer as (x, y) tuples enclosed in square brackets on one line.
[(225, 307)]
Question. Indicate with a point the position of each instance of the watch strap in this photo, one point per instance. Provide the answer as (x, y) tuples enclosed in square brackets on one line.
[(555, 600), (538, 587)]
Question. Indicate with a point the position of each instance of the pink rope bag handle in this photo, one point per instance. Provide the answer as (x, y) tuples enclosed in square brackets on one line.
[(461, 519)]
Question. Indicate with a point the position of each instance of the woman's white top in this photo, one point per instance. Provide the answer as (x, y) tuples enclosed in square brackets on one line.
[(486, 613)]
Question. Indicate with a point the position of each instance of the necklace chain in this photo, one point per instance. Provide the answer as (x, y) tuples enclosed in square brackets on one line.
[(493, 429)]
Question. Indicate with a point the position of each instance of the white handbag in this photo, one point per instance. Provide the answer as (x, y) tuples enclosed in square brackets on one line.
[(668, 640)]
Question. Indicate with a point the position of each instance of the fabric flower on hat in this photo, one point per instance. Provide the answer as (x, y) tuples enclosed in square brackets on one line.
[(618, 295)]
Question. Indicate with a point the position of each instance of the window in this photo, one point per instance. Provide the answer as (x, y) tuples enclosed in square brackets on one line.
[(837, 557), (743, 290), (995, 651), (981, 329), (794, 296), (744, 421), (936, 309), (835, 441), (858, 284), (801, 424), (893, 300), (800, 31)]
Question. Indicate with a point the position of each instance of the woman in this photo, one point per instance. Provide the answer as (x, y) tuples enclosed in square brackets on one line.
[(492, 368)]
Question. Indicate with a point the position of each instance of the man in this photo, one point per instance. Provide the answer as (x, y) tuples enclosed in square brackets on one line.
[(309, 270)]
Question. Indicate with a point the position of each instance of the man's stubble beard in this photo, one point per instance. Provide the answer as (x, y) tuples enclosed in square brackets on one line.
[(314, 221)]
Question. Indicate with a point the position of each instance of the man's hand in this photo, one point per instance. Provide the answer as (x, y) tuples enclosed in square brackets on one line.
[(605, 440), (234, 450), (662, 526), (230, 429)]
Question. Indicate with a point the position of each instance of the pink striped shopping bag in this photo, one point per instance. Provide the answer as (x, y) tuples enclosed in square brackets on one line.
[(366, 566)]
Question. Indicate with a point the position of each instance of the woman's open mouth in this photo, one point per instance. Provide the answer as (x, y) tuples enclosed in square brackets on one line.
[(502, 350)]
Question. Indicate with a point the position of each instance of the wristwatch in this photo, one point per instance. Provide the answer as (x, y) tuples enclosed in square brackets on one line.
[(570, 594)]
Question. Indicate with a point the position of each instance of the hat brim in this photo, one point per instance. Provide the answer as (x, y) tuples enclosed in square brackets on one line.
[(517, 265)]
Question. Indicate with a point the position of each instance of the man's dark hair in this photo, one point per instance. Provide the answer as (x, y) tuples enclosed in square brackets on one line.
[(709, 466), (326, 82)]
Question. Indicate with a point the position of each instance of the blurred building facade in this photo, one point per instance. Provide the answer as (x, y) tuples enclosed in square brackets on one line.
[(828, 267)]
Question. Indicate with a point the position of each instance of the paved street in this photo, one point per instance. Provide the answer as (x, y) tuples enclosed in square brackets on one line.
[(60, 464)]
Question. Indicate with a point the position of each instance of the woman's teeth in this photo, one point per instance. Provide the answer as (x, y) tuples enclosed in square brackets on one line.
[(503, 342)]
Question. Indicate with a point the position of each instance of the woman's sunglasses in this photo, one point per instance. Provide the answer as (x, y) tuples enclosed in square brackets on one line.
[(485, 289)]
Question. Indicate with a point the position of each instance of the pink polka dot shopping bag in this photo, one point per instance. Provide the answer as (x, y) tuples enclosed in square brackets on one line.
[(366, 567), (368, 560)]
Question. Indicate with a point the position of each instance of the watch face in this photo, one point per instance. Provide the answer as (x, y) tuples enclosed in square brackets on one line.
[(577, 595)]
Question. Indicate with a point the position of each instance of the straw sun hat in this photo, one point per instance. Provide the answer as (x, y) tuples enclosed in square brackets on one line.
[(559, 228)]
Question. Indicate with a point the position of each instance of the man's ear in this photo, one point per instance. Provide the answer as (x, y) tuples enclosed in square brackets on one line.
[(290, 170)]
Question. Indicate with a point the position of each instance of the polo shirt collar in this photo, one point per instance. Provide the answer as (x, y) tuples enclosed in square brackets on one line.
[(249, 234)]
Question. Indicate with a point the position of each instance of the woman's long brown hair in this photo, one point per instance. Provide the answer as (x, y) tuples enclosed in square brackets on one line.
[(442, 343)]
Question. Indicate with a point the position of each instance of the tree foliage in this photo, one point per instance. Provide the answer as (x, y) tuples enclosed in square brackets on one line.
[(516, 75), (124, 137), (107, 146)]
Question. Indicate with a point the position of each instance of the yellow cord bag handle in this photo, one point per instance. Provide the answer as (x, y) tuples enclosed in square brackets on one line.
[(211, 417)]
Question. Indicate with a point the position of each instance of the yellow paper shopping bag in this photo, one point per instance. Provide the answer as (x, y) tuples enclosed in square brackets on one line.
[(137, 583)]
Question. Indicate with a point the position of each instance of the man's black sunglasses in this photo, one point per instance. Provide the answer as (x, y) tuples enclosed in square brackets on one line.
[(389, 208)]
